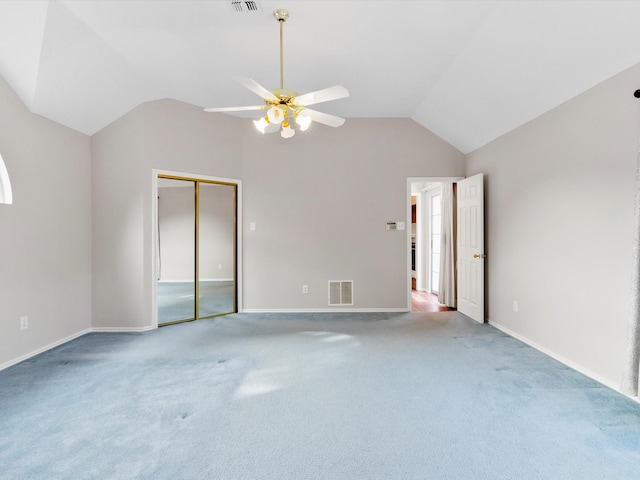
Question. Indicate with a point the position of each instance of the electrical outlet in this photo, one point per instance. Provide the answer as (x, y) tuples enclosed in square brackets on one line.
[(24, 323), (220, 266), (305, 288), (515, 306)]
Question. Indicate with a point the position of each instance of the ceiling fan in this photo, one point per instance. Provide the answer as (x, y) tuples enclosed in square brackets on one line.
[(283, 105)]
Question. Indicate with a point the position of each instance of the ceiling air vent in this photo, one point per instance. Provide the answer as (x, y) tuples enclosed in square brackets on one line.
[(340, 292), (245, 6)]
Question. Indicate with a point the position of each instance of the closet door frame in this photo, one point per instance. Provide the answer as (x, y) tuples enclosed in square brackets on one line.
[(190, 177)]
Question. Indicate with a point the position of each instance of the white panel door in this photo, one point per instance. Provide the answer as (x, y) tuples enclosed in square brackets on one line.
[(471, 247)]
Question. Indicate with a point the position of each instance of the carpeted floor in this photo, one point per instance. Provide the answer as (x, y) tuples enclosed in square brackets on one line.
[(176, 300), (316, 396)]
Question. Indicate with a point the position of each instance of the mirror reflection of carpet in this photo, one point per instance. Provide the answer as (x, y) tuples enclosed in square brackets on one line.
[(176, 299)]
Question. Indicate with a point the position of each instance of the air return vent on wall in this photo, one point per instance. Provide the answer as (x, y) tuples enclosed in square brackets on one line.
[(340, 292), (245, 6)]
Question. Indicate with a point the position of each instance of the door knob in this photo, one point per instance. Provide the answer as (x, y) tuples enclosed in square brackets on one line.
[(479, 255)]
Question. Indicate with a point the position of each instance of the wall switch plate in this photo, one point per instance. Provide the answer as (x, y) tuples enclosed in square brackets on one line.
[(252, 226), (515, 306), (24, 323), (305, 288)]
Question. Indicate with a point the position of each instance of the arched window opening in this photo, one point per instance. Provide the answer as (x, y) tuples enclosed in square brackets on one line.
[(5, 185)]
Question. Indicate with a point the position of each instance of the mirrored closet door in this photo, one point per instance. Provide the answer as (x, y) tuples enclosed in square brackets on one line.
[(196, 244)]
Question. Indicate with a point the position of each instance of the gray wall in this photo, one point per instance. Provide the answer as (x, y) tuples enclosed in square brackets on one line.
[(166, 135), (45, 236), (320, 202), (560, 193)]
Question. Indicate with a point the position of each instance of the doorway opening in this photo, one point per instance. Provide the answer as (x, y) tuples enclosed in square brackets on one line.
[(196, 248), (426, 237)]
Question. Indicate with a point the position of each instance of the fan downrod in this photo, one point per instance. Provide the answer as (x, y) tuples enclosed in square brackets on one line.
[(281, 15)]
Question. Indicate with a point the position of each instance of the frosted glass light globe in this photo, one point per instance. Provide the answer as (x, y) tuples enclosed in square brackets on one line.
[(261, 124), (275, 115), (287, 131)]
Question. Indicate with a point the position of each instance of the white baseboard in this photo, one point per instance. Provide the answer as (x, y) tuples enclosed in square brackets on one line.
[(122, 329), (325, 310), (561, 359)]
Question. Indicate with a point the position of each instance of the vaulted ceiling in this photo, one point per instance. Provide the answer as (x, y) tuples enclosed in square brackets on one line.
[(469, 71)]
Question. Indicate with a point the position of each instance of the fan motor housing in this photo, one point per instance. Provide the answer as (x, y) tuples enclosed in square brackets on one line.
[(285, 96)]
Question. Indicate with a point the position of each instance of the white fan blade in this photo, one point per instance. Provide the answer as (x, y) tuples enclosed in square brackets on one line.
[(325, 95), (256, 88), (235, 109), (323, 118)]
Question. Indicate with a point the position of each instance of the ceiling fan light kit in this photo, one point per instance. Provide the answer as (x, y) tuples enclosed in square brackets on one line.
[(285, 106)]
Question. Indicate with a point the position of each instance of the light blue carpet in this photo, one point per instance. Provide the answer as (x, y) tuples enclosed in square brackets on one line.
[(360, 396)]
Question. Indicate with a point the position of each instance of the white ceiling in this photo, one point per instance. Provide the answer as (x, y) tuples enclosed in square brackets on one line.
[(469, 71)]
